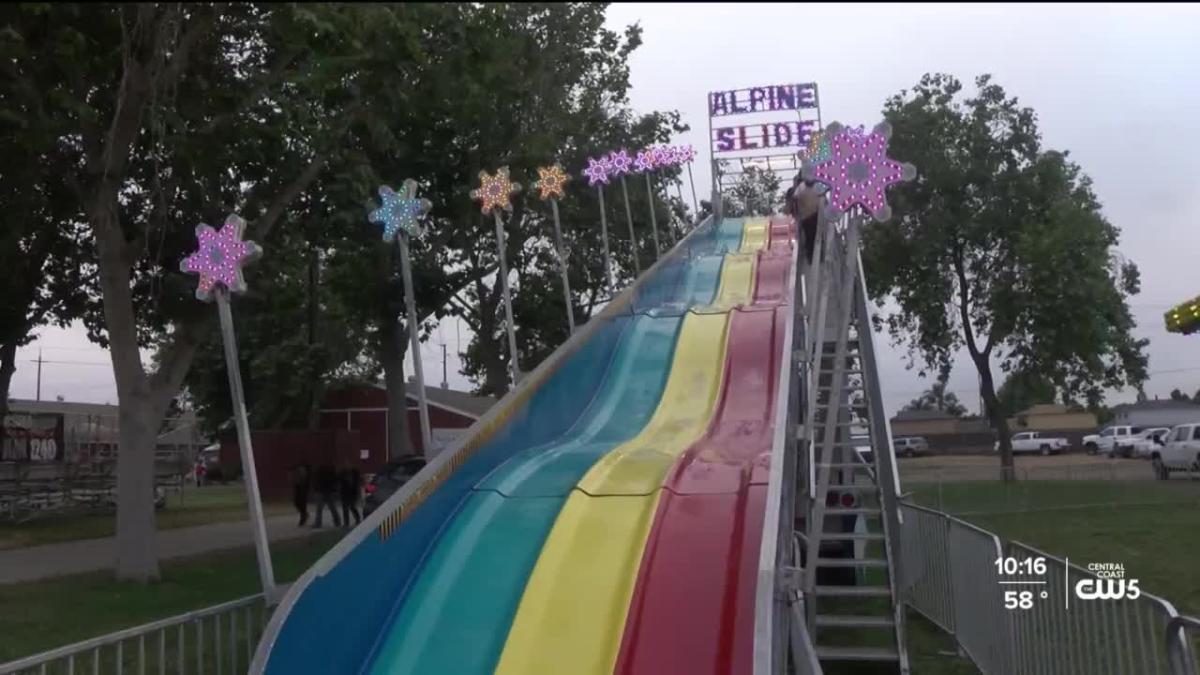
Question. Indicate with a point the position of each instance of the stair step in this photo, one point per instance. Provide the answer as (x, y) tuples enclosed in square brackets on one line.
[(854, 621), (845, 387), (855, 511), (851, 562), (845, 465), (857, 653), (847, 487), (854, 591), (852, 536)]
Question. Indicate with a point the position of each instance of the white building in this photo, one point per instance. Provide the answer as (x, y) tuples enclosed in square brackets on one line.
[(1156, 413)]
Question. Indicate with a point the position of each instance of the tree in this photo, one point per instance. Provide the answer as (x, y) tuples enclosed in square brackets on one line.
[(937, 398), (755, 193), (999, 246), (1177, 395), (1023, 389)]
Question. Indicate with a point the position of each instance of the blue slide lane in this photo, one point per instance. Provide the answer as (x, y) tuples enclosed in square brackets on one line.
[(460, 561)]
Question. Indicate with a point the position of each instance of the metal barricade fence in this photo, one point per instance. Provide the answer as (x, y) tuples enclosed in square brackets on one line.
[(214, 640), (1100, 637), (952, 578)]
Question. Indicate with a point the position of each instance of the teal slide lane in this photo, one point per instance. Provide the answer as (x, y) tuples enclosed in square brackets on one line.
[(344, 615), (468, 591)]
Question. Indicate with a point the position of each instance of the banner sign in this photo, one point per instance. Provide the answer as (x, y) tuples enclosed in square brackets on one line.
[(36, 437), (787, 117), (762, 99), (759, 136)]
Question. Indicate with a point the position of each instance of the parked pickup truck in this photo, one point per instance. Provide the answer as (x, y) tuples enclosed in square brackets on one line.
[(1112, 441), (1150, 440), (1181, 452), (1035, 441)]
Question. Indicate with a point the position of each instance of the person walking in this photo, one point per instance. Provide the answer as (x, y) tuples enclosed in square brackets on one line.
[(326, 485), (803, 201), (351, 487), (300, 484)]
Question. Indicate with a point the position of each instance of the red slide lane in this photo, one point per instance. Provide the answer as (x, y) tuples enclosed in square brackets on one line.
[(692, 609)]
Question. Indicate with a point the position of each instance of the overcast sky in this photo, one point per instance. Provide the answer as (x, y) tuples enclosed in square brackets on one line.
[(1116, 85)]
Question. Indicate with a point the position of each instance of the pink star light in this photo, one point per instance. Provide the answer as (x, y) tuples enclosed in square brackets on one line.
[(220, 257), (858, 170)]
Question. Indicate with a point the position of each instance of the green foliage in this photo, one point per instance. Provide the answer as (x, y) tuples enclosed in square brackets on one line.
[(1000, 246), (1023, 389), (937, 398), (755, 193)]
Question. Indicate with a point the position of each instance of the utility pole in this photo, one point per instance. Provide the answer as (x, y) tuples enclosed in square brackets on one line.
[(445, 382), (39, 377)]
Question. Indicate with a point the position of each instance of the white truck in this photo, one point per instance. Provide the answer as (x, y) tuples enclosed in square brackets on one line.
[(1180, 453), (1116, 440), (1036, 441)]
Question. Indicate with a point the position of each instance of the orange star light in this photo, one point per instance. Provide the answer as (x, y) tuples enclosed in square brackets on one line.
[(551, 180), (493, 191)]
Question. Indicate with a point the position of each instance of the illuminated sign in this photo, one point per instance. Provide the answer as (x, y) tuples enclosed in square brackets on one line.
[(760, 136), (762, 99)]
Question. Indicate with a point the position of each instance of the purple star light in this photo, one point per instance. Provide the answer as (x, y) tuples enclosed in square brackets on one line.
[(686, 154), (660, 156), (596, 171), (643, 162), (858, 170), (619, 162), (220, 257)]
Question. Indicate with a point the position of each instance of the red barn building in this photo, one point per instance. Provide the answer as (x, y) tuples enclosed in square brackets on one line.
[(363, 409)]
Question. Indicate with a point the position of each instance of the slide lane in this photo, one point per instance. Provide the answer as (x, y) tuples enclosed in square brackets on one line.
[(467, 591), (693, 603), (571, 614)]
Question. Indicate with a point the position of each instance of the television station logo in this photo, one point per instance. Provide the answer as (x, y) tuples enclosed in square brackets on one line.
[(1111, 583)]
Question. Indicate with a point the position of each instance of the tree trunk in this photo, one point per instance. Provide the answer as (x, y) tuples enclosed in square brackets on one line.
[(995, 415), (136, 556), (8, 366), (394, 343)]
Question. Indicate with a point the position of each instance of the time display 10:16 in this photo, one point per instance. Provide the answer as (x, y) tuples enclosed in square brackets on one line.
[(1028, 566)]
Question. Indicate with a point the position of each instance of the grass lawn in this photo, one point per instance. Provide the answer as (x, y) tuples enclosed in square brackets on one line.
[(1146, 525), (195, 506), (41, 615)]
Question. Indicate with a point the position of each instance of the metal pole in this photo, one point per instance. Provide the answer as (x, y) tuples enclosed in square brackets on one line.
[(266, 572), (653, 217), (608, 280), (415, 341), (637, 266), (679, 191), (692, 180), (39, 378), (562, 264), (513, 366)]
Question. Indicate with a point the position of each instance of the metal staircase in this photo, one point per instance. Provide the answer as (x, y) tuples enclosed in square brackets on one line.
[(849, 569)]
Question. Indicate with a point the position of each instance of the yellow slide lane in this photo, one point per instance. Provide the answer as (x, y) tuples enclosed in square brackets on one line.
[(572, 613), (754, 234), (737, 282)]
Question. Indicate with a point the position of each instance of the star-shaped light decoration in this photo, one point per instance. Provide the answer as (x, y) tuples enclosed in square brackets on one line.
[(659, 155), (400, 211), (494, 191), (220, 257), (619, 162), (858, 170), (671, 155), (817, 149), (644, 161), (550, 182), (687, 154), (596, 171)]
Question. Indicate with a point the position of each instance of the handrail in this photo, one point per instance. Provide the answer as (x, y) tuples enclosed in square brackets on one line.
[(118, 636), (413, 493), (770, 602)]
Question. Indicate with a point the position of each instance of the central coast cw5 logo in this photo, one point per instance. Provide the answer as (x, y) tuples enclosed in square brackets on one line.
[(1110, 584)]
